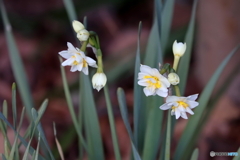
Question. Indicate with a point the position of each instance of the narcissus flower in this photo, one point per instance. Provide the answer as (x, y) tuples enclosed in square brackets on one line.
[(173, 78), (179, 48), (180, 105), (154, 82), (77, 59), (99, 80), (82, 33)]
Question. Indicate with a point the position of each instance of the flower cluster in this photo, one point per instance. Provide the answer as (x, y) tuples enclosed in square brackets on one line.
[(77, 59), (156, 83)]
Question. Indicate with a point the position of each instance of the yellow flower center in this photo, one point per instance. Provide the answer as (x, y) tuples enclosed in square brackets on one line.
[(157, 83), (180, 103), (75, 63), (84, 63)]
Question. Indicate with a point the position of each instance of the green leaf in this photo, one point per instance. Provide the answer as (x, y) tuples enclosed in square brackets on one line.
[(237, 157), (183, 67), (154, 115), (70, 10), (91, 122), (194, 122), (138, 108), (70, 106), (166, 21), (112, 124), (194, 155), (124, 113), (17, 64)]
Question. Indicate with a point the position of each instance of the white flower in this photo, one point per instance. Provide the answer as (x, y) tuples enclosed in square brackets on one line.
[(179, 48), (173, 78), (154, 82), (77, 59), (82, 33), (99, 81), (180, 105)]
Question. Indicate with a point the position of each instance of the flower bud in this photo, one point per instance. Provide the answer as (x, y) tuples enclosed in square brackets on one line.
[(99, 80), (179, 48), (77, 26), (173, 78), (83, 35)]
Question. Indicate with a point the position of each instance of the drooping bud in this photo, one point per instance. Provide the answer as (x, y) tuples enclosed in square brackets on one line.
[(99, 81)]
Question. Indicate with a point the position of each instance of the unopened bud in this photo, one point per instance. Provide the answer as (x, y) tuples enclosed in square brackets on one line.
[(173, 78)]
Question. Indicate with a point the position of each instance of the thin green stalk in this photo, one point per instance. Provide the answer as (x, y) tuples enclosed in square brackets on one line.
[(168, 137), (112, 124)]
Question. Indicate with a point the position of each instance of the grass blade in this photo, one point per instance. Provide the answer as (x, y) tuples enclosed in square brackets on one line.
[(16, 63), (57, 142), (185, 60), (124, 113), (31, 150), (70, 10), (14, 106), (186, 139)]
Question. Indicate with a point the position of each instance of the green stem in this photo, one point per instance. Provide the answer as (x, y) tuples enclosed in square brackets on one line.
[(112, 124), (84, 46), (168, 137), (177, 90), (175, 63), (99, 59)]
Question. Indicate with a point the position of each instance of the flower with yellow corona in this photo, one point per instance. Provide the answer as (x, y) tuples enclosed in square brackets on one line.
[(77, 59), (153, 81), (180, 105)]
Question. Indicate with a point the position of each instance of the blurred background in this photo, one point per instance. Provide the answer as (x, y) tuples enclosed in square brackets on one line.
[(42, 29)]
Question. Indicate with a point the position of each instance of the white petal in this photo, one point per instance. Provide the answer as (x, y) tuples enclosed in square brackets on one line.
[(68, 62), (74, 68), (80, 67), (65, 54), (177, 113), (141, 75), (192, 104), (71, 48), (165, 81), (166, 106), (148, 91), (91, 62), (189, 111), (143, 82), (192, 97), (146, 69), (184, 115), (85, 70), (172, 99), (161, 93)]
